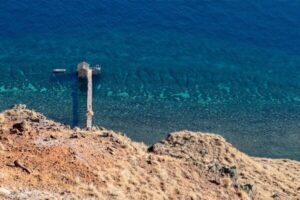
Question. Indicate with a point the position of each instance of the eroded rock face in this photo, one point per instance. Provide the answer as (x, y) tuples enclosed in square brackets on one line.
[(202, 148), (57, 162), (20, 127)]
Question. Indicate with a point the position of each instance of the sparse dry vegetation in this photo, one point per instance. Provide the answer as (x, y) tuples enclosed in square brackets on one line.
[(40, 158)]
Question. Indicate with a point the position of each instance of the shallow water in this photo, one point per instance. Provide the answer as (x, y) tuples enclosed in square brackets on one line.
[(231, 68)]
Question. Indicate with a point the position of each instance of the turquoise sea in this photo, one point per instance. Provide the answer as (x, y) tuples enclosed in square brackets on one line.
[(227, 67)]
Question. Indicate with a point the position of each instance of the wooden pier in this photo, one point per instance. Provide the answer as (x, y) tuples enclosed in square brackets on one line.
[(85, 71)]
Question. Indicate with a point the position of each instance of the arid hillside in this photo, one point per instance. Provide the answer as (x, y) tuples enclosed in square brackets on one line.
[(43, 159)]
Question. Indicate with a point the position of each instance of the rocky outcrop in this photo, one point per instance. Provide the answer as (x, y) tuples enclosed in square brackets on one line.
[(260, 178), (41, 159)]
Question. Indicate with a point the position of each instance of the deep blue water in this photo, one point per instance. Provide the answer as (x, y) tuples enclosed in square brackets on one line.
[(228, 67)]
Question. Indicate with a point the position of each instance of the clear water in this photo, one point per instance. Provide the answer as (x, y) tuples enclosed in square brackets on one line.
[(228, 67)]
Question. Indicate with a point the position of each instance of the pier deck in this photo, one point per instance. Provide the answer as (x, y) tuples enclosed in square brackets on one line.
[(89, 99)]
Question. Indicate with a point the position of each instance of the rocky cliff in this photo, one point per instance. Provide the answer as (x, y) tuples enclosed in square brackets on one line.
[(43, 159)]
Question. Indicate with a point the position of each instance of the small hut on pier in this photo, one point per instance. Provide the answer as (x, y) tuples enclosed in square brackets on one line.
[(82, 69)]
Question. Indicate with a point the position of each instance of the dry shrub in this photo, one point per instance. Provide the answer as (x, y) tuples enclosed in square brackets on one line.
[(243, 195), (227, 182), (2, 118), (2, 147)]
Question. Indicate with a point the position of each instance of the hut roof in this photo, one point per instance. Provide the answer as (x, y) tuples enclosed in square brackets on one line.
[(83, 65)]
